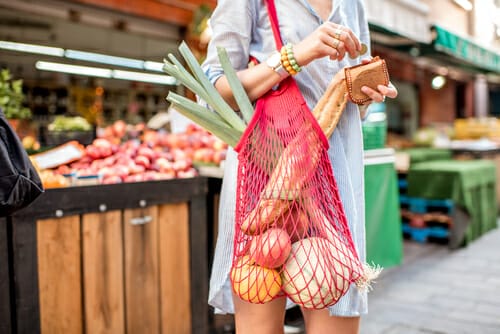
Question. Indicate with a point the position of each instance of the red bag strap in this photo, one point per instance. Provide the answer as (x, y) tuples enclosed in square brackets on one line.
[(273, 17)]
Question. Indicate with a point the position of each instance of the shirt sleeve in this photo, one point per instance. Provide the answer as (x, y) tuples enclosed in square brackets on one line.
[(231, 25)]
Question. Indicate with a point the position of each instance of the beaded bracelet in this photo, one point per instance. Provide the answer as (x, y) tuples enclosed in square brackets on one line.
[(288, 59)]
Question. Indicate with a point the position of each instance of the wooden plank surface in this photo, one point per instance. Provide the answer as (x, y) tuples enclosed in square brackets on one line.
[(88, 199), (142, 294), (25, 273), (103, 273), (173, 221), (59, 270), (5, 280), (199, 264)]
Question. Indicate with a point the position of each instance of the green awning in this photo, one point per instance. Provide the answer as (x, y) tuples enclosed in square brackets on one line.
[(465, 50)]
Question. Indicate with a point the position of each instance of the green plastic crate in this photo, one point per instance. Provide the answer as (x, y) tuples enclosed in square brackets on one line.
[(374, 135)]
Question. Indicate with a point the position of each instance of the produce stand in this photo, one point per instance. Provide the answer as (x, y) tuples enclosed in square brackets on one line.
[(384, 245), (410, 156), (493, 154), (470, 184), (128, 257)]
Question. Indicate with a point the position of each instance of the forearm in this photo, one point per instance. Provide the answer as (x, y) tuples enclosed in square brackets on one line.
[(257, 80)]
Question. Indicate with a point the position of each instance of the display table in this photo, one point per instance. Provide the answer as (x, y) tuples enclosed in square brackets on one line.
[(384, 245), (408, 157), (470, 184), (425, 154)]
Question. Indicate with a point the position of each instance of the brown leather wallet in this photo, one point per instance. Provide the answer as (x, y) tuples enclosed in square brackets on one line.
[(371, 74)]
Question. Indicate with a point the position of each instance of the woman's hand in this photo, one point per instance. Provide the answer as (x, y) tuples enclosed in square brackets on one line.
[(381, 93), (329, 39)]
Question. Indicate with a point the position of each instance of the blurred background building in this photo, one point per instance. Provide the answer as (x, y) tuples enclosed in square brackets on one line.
[(443, 55)]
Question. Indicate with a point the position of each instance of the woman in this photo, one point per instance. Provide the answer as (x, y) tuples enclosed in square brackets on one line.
[(326, 37)]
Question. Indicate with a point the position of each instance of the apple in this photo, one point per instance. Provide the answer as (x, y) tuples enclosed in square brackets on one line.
[(271, 248), (109, 161), (166, 175), (219, 145), (102, 143), (119, 128), (121, 170), (150, 176), (136, 169), (183, 174), (198, 154), (147, 152), (208, 155), (93, 152), (219, 156), (178, 154), (134, 178), (142, 160), (180, 165), (111, 179)]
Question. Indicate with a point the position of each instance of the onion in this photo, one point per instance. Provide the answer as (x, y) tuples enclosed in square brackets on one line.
[(312, 277)]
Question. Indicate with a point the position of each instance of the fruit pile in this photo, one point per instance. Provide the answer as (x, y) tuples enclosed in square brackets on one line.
[(125, 153)]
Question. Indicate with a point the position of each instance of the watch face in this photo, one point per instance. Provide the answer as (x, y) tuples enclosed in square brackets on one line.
[(274, 61)]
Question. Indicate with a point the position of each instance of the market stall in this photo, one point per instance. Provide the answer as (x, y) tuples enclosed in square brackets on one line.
[(469, 184), (128, 257)]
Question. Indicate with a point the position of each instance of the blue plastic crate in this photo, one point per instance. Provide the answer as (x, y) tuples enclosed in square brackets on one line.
[(423, 234), (423, 205)]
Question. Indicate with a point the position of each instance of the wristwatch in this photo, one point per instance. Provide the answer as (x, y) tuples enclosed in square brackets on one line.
[(274, 62)]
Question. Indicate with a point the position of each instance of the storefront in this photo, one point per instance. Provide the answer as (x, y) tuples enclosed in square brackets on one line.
[(441, 77), (99, 60)]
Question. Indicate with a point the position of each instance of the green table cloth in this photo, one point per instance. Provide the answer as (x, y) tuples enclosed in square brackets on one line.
[(384, 244), (470, 184), (425, 154)]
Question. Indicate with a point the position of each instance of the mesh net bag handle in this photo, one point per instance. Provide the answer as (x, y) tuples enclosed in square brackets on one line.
[(291, 234)]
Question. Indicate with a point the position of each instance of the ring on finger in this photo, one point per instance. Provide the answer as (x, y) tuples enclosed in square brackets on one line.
[(336, 43), (338, 33)]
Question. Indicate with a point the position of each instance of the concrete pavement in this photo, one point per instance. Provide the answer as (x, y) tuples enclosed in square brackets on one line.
[(439, 291)]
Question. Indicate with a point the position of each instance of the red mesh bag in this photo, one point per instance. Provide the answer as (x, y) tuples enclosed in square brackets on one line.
[(291, 234)]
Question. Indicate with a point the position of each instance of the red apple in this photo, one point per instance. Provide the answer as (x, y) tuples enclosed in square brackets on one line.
[(147, 152), (141, 160), (119, 128), (271, 248), (219, 145), (167, 175), (111, 179), (134, 178), (219, 156), (191, 172), (101, 143)]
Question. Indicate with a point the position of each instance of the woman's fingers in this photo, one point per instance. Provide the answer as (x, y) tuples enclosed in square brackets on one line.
[(335, 49), (389, 91), (381, 92), (331, 40), (374, 95), (348, 42)]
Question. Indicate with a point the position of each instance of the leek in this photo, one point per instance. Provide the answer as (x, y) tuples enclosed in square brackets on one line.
[(218, 117)]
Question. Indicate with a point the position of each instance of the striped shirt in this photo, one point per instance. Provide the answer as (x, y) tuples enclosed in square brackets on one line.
[(242, 27)]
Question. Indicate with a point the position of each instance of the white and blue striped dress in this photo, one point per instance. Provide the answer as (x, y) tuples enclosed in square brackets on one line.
[(243, 28)]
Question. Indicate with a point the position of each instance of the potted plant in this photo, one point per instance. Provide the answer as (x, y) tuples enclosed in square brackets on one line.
[(12, 98)]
